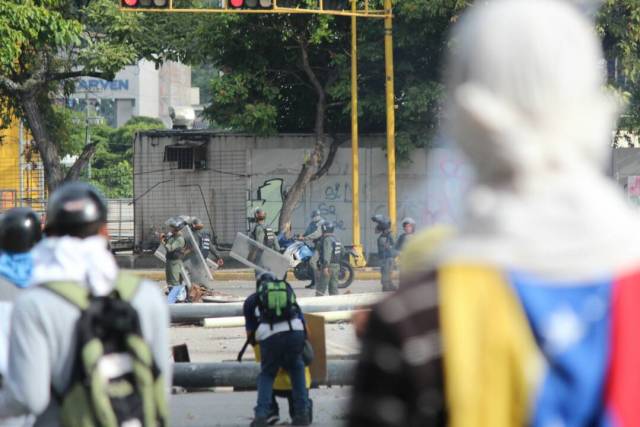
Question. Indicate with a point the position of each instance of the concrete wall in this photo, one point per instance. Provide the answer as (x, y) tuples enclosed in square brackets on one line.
[(244, 172)]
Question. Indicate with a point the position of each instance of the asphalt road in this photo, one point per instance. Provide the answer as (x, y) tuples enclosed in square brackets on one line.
[(227, 408)]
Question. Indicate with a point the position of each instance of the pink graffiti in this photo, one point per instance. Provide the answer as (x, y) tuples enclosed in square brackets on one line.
[(633, 187)]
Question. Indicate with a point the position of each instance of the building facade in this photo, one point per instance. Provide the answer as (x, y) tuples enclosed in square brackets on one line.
[(137, 90), (21, 174)]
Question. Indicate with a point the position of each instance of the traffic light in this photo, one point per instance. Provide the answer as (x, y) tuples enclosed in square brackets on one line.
[(145, 4), (250, 4)]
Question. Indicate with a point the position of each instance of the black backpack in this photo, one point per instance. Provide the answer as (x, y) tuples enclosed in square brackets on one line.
[(277, 302), (114, 381)]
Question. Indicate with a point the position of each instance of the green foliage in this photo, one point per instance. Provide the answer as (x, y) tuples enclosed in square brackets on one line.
[(263, 88), (619, 26), (112, 169), (115, 181)]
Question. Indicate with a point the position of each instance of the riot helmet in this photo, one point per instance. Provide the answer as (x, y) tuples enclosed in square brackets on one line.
[(316, 215), (176, 222), (197, 223), (409, 225), (259, 214), (19, 230), (328, 227), (76, 209), (408, 220), (382, 223)]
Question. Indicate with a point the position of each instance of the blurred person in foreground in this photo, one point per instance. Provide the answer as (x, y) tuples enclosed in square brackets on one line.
[(19, 231), (531, 315), (86, 340)]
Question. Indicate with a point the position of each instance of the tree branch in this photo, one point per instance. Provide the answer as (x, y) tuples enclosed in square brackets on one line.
[(75, 74), (81, 162), (8, 84), (333, 150)]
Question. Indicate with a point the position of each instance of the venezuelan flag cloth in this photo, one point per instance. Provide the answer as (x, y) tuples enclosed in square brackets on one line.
[(521, 351)]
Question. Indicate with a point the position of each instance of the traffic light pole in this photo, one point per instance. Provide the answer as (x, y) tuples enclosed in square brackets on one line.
[(360, 261), (391, 120)]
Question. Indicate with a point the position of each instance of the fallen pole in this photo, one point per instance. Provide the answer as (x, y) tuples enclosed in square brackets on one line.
[(196, 313), (243, 375), (238, 321)]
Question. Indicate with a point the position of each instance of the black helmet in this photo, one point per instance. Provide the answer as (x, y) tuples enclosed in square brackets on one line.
[(75, 204), (383, 223), (19, 230), (266, 276), (328, 227)]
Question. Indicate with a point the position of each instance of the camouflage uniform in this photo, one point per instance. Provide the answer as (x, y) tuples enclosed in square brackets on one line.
[(329, 254), (175, 246)]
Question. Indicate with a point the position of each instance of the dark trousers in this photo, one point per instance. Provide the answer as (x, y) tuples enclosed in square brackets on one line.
[(282, 350)]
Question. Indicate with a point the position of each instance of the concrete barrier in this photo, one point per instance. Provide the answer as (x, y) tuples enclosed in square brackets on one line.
[(243, 375), (196, 313), (238, 321)]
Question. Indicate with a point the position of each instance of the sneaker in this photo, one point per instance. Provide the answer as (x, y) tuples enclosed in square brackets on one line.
[(301, 420), (273, 418), (310, 286), (259, 422)]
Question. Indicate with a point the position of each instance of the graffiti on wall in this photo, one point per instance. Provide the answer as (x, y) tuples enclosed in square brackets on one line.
[(270, 196), (448, 182), (633, 189)]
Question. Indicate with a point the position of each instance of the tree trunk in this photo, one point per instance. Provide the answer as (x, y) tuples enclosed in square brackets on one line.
[(315, 160), (48, 150)]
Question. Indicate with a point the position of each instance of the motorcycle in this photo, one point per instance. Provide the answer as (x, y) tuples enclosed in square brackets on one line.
[(299, 255)]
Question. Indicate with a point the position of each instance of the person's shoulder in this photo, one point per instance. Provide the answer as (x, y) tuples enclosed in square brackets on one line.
[(37, 300), (251, 300), (149, 297)]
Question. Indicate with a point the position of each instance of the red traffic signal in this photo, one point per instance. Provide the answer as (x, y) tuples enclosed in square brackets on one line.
[(145, 4), (250, 4)]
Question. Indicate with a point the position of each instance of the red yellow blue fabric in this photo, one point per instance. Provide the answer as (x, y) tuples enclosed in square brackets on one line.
[(521, 351)]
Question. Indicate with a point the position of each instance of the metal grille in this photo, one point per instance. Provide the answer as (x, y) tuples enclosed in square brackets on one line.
[(212, 188)]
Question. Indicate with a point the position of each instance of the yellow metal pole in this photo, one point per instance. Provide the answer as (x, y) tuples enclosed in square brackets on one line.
[(355, 171), (391, 121)]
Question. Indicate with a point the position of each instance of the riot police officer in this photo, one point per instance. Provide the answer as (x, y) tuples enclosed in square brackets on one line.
[(408, 229), (312, 236), (386, 250), (175, 245), (204, 240), (330, 249), (263, 233)]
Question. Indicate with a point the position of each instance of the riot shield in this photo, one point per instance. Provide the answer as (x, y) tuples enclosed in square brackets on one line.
[(256, 255), (194, 262), (161, 254)]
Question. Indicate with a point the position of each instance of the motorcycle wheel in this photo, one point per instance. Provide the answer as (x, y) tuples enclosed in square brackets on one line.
[(345, 275), (301, 272)]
